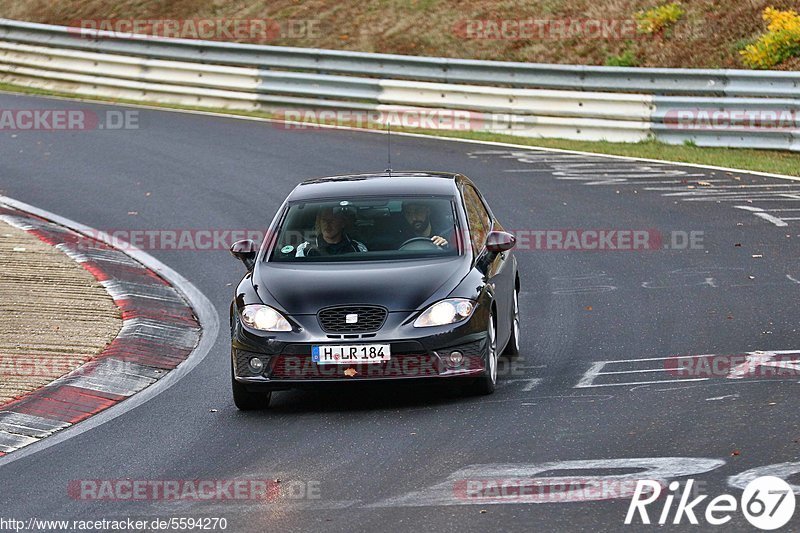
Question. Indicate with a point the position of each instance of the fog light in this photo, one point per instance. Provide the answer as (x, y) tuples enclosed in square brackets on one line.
[(256, 365), (455, 358)]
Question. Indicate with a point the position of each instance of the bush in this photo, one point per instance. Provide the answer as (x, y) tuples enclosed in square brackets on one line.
[(781, 42), (659, 18), (625, 59)]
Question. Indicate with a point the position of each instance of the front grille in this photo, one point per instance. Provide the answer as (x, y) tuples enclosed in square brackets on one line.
[(334, 319)]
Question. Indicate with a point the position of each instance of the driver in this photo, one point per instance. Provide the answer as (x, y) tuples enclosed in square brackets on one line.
[(417, 215), (331, 238)]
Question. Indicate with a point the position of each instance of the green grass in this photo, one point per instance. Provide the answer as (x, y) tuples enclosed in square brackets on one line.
[(772, 161), (625, 59)]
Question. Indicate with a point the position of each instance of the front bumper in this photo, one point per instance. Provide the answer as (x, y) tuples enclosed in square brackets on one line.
[(415, 352)]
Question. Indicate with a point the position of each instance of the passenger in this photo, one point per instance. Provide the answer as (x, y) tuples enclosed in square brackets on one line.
[(331, 238), (417, 215)]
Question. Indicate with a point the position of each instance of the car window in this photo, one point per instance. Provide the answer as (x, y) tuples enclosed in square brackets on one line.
[(480, 222), (367, 229)]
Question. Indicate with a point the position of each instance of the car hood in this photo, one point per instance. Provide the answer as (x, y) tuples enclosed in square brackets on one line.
[(397, 285)]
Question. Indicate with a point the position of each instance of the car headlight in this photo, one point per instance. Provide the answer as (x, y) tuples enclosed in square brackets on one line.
[(265, 318), (445, 312)]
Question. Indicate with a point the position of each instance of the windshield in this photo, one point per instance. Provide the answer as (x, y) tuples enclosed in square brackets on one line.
[(367, 229)]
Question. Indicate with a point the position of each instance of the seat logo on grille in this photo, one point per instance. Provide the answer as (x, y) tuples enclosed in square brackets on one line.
[(351, 318)]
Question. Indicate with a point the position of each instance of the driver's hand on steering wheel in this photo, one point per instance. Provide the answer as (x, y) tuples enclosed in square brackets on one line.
[(439, 241)]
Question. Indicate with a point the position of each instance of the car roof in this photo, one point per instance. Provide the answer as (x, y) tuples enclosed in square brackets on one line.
[(379, 184)]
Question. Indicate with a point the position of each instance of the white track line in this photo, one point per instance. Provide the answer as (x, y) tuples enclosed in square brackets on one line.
[(775, 220)]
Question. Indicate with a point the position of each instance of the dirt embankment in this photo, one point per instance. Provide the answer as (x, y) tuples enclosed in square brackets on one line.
[(55, 315), (708, 34)]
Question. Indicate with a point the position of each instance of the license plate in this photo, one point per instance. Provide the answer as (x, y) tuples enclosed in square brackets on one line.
[(350, 354)]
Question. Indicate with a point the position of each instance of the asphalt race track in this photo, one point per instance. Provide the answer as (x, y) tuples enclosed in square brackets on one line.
[(377, 458)]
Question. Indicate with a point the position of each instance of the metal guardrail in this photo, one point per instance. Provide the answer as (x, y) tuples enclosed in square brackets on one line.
[(444, 70), (708, 107)]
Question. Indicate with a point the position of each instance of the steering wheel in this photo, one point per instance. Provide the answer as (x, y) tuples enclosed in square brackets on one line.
[(420, 243)]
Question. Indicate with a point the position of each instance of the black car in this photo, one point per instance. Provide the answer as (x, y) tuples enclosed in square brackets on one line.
[(375, 277)]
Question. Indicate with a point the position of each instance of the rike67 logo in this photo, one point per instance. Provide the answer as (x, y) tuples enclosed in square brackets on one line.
[(767, 503)]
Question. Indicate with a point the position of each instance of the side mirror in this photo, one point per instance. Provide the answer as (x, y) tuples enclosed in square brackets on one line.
[(245, 251), (500, 241)]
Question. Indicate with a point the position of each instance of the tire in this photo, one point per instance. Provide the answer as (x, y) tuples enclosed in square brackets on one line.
[(512, 348), (485, 384), (246, 400)]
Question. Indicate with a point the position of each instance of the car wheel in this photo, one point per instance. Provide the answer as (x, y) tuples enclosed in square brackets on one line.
[(487, 382), (246, 400), (512, 348)]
